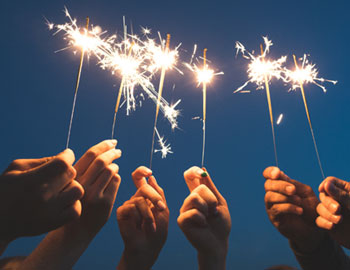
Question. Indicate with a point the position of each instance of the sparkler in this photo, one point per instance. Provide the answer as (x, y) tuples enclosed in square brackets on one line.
[(300, 76), (204, 76), (261, 72), (165, 60), (165, 149), (83, 48)]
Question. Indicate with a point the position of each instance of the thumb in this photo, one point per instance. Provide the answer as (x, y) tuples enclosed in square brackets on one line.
[(339, 190), (59, 165)]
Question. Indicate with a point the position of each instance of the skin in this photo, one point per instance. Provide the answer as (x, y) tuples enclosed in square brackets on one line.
[(291, 208), (205, 220), (143, 223), (334, 209), (100, 179), (38, 195)]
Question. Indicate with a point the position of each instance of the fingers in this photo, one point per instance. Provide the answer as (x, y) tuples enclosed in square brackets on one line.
[(72, 212), (193, 177), (208, 197), (332, 205), (85, 161), (190, 218), (283, 187), (128, 211), (113, 187), (274, 173), (150, 193), (153, 183), (139, 176), (58, 172), (210, 184), (338, 189), (325, 214), (194, 201), (272, 198), (105, 177), (99, 165), (324, 223), (73, 192), (285, 208), (145, 212)]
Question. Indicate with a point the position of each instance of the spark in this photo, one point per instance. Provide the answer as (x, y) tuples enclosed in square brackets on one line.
[(259, 67), (280, 118), (305, 74), (165, 149)]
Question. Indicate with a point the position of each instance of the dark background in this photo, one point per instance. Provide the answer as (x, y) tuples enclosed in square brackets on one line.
[(37, 88)]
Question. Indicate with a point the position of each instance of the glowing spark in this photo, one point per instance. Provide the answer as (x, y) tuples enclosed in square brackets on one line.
[(305, 74), (165, 149), (259, 67), (280, 118)]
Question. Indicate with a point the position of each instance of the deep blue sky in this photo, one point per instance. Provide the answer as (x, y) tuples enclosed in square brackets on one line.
[(38, 85)]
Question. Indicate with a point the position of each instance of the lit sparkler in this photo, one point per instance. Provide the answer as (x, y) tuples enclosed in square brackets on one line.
[(307, 73), (204, 76), (164, 59), (261, 71), (87, 41), (165, 149)]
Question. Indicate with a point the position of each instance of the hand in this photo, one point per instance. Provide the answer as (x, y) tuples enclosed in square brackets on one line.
[(100, 179), (291, 207), (38, 195), (143, 222), (205, 220), (334, 209)]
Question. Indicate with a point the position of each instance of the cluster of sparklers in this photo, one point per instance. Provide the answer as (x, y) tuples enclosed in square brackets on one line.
[(261, 71), (136, 60)]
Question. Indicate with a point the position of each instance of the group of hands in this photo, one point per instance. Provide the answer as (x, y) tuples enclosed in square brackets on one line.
[(73, 202), (303, 218)]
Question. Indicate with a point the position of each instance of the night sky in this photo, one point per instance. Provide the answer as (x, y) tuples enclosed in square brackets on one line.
[(37, 87)]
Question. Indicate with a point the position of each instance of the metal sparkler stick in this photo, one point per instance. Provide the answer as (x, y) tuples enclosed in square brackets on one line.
[(120, 94), (309, 119), (160, 91), (204, 105), (77, 85), (270, 109)]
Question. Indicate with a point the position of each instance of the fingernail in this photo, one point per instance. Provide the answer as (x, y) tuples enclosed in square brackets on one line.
[(334, 207), (161, 206), (112, 143), (329, 224), (71, 173), (274, 172), (118, 152), (148, 171), (199, 171), (337, 219), (290, 189), (300, 210), (154, 228)]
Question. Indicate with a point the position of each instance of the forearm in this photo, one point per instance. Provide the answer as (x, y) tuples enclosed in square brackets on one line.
[(135, 261), (59, 250), (327, 256)]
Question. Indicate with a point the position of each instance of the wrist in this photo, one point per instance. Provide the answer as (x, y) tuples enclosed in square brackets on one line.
[(130, 261), (309, 244), (214, 260)]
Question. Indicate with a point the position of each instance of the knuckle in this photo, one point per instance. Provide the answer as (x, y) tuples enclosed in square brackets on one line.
[(61, 164), (17, 163), (91, 154), (100, 162)]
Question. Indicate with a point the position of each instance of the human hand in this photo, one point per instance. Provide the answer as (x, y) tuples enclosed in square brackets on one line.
[(291, 208), (143, 222), (334, 209), (205, 220), (38, 195), (100, 179)]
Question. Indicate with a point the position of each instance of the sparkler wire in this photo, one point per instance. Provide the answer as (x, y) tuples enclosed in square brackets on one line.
[(120, 95), (160, 91), (204, 105), (309, 120), (270, 110), (77, 85)]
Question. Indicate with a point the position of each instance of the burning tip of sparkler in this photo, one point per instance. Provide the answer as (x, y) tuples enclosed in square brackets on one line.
[(165, 149), (146, 31)]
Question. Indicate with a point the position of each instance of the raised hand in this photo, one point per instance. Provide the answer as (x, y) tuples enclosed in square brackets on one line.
[(143, 222), (334, 209), (205, 219), (38, 195), (291, 208)]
